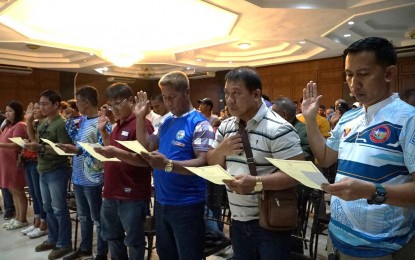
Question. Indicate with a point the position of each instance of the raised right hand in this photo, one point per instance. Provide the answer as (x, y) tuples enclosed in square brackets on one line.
[(29, 115), (142, 105), (311, 100)]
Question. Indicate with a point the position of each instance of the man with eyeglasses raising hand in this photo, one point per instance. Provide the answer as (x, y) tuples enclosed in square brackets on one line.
[(127, 188)]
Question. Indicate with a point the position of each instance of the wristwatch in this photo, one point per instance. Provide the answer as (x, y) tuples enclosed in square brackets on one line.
[(258, 185), (169, 166), (379, 197)]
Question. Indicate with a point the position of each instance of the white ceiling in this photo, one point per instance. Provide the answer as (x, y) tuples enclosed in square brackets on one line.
[(274, 29)]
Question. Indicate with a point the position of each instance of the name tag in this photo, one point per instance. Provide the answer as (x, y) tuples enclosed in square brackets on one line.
[(124, 133)]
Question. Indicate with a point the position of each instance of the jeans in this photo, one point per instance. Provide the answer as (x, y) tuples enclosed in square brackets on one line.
[(250, 242), (54, 186), (122, 226), (180, 232), (7, 200), (88, 207), (33, 181)]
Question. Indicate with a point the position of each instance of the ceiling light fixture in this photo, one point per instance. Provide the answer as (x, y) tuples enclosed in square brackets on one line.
[(123, 57), (199, 60), (347, 35), (244, 46), (302, 42), (129, 21), (350, 22)]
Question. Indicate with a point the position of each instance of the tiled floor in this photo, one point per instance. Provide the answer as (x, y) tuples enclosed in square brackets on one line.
[(15, 246)]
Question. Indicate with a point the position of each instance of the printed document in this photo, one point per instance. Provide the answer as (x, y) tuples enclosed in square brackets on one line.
[(57, 150), (303, 171), (134, 146), (17, 140), (90, 149), (214, 173)]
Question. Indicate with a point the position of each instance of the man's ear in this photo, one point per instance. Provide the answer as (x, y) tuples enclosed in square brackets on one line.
[(257, 94), (390, 73)]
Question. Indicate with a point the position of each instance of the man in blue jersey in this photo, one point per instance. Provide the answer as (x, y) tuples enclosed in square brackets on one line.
[(372, 207), (183, 139), (87, 172)]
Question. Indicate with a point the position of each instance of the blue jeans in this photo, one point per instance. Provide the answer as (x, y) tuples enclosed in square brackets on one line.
[(7, 200), (250, 242), (33, 181), (122, 226), (180, 232), (88, 207), (54, 186)]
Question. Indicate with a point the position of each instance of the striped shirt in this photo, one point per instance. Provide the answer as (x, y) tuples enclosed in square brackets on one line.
[(376, 146), (86, 170), (269, 136)]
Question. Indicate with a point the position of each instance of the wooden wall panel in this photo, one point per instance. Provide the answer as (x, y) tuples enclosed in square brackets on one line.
[(285, 79)]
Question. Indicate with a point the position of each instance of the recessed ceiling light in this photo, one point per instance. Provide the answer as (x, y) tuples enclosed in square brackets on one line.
[(229, 61), (244, 46), (199, 60), (347, 35), (91, 54), (188, 68), (302, 42), (350, 22)]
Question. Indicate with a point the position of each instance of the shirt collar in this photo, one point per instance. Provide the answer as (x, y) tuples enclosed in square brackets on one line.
[(185, 114), (373, 109), (260, 114), (129, 119)]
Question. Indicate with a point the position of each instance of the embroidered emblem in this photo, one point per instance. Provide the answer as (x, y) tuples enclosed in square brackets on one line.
[(180, 135), (178, 143), (380, 134), (346, 132)]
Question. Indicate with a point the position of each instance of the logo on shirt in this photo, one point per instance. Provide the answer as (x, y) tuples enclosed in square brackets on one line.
[(380, 134), (346, 132), (180, 135)]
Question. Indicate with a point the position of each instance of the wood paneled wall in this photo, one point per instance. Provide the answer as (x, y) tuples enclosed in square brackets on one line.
[(285, 80)]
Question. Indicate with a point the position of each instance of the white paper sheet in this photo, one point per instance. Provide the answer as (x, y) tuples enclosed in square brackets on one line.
[(303, 171), (58, 150), (90, 149), (134, 146), (214, 173), (18, 140)]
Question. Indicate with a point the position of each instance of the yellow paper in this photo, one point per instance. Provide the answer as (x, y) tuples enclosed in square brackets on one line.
[(303, 171), (90, 149), (214, 173), (18, 140), (134, 146), (57, 150)]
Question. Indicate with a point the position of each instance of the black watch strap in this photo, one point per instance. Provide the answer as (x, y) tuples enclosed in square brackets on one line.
[(380, 195)]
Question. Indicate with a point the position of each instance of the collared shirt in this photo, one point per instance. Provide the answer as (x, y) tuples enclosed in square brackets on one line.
[(269, 136), (123, 181), (181, 137), (375, 145)]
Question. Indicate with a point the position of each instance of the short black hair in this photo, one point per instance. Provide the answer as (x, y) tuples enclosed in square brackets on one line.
[(89, 93), (384, 49), (18, 111), (249, 76), (52, 95), (119, 90)]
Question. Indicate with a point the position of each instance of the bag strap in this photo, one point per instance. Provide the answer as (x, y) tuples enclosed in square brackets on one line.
[(247, 148)]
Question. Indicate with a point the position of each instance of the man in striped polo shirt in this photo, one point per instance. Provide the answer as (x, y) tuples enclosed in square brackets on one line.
[(269, 136)]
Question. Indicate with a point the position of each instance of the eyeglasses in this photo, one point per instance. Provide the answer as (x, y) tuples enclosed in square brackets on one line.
[(115, 106)]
